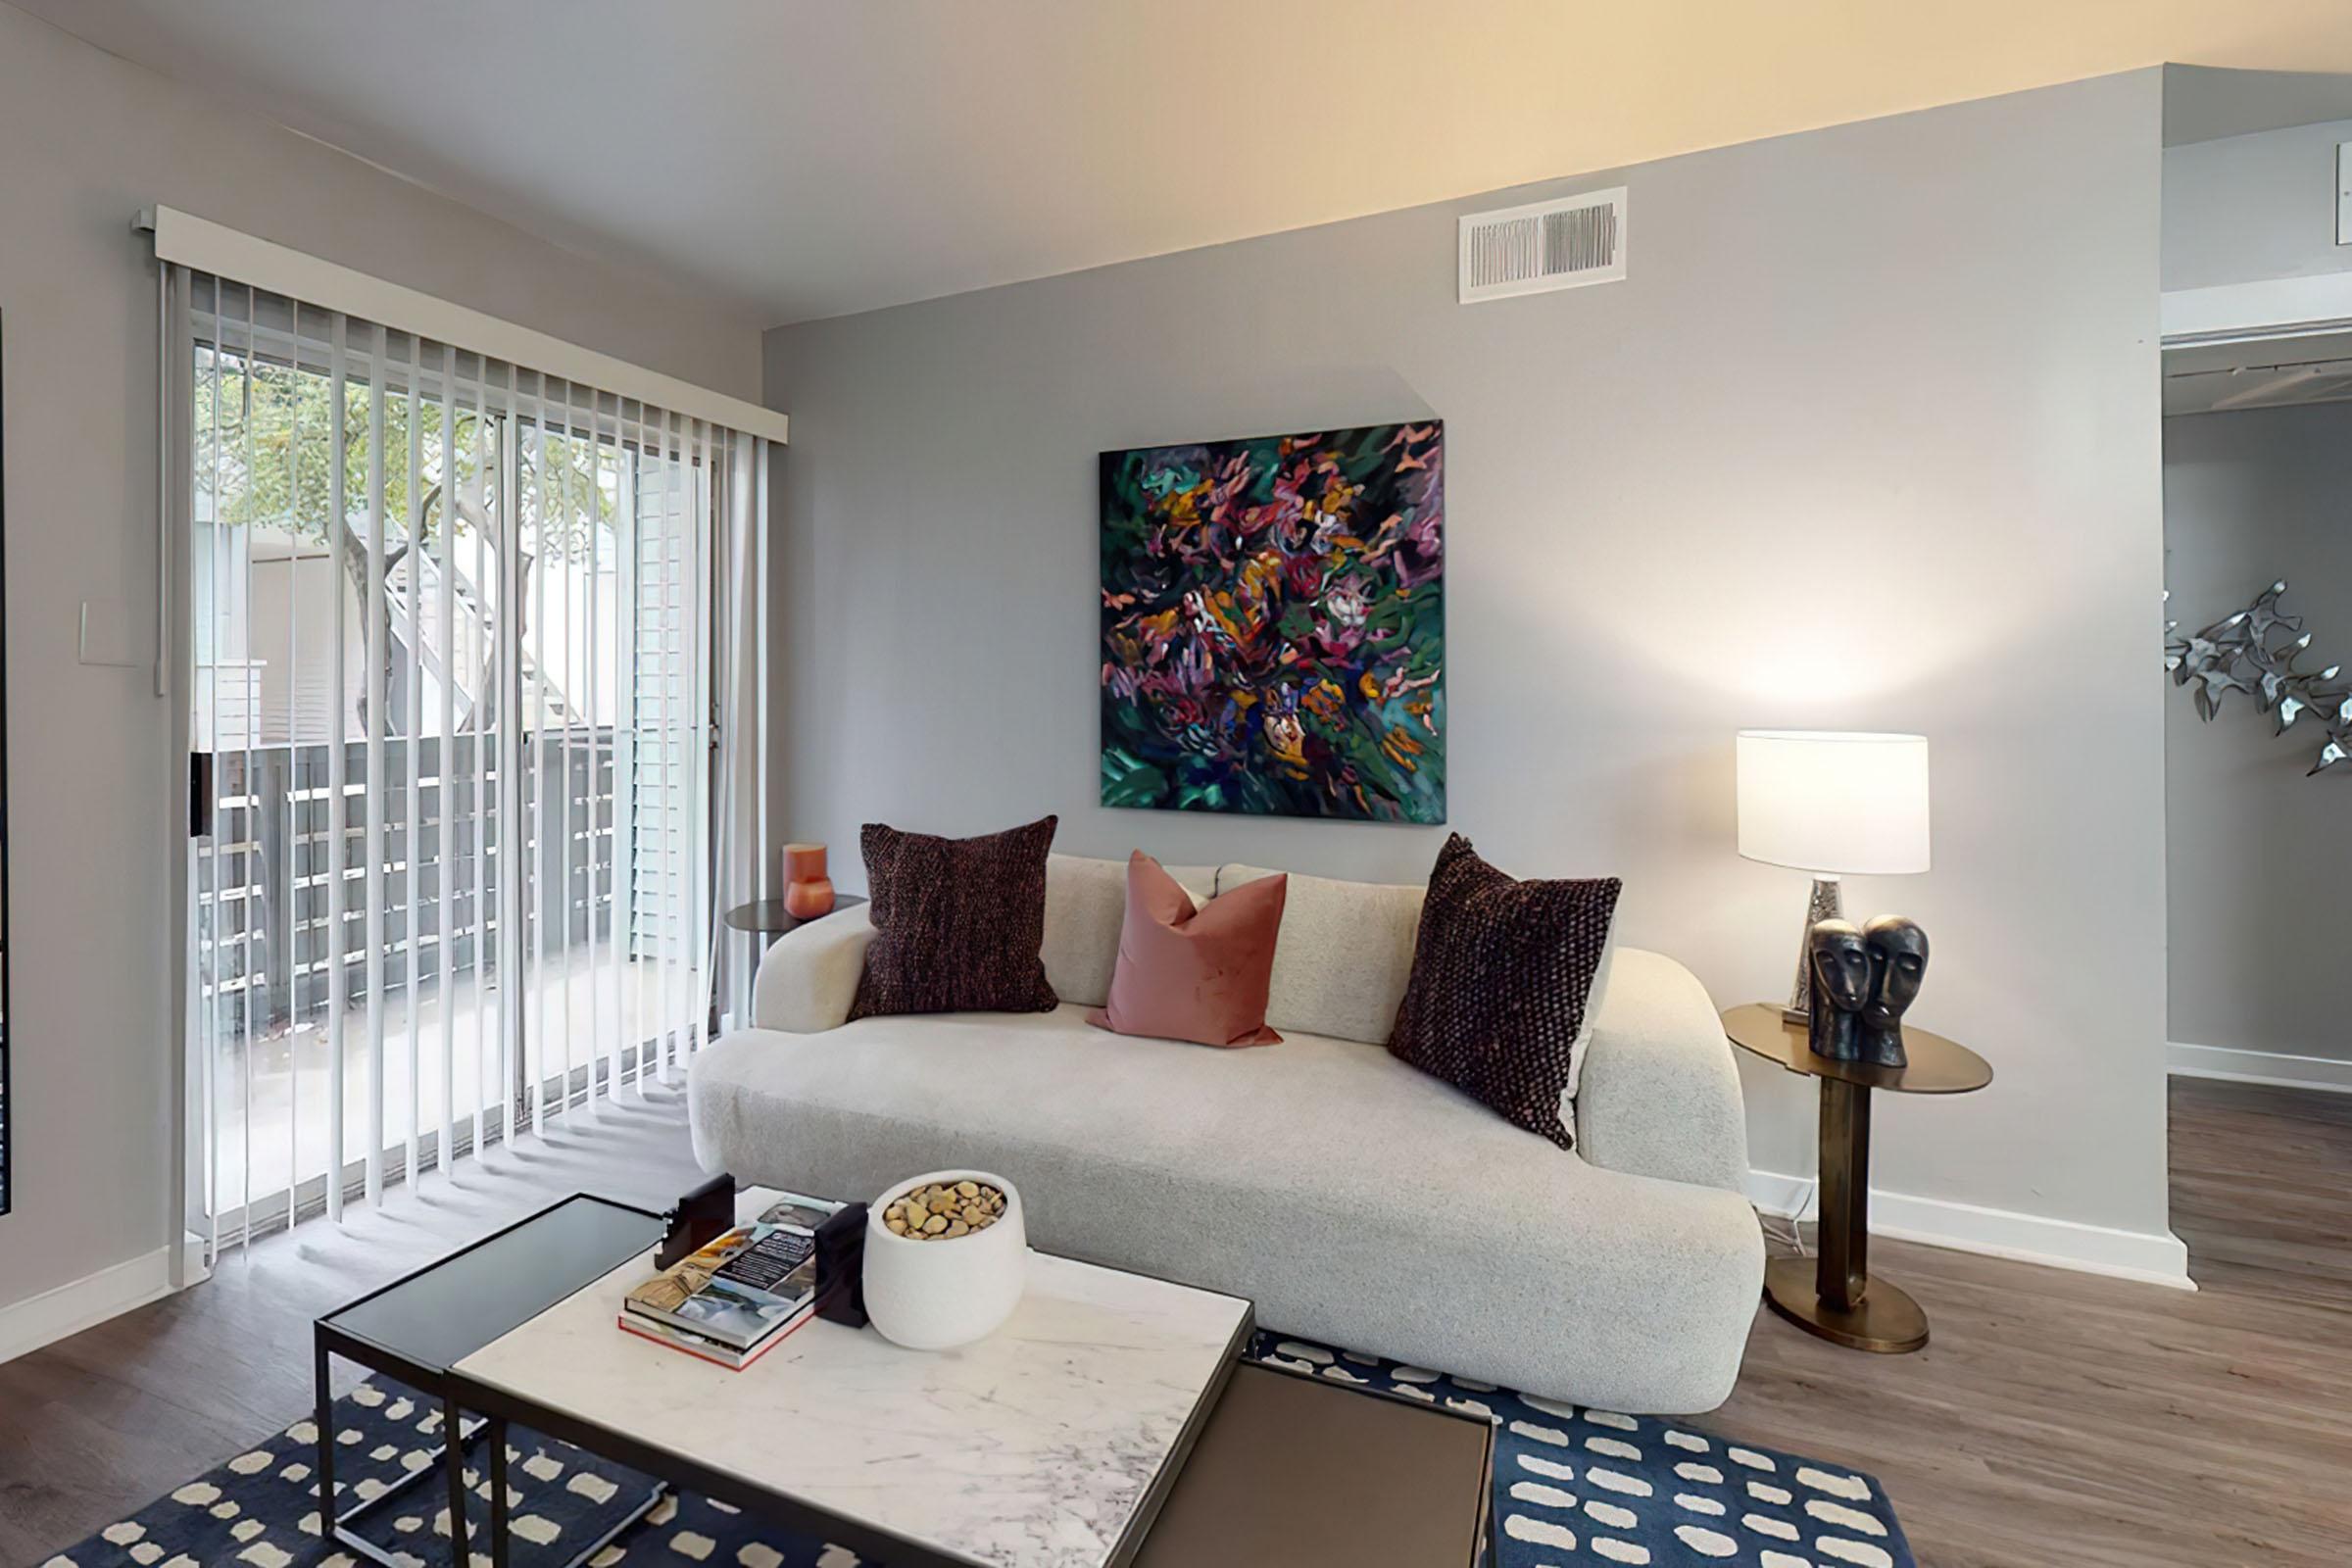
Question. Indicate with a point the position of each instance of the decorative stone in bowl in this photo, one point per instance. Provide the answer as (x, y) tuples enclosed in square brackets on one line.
[(934, 1285)]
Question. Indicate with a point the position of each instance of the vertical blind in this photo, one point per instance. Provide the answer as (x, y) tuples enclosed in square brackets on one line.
[(474, 654)]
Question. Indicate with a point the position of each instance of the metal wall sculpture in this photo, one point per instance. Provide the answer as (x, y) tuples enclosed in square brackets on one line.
[(2255, 651)]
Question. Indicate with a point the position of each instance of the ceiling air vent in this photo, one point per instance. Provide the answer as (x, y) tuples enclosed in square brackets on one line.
[(1532, 249)]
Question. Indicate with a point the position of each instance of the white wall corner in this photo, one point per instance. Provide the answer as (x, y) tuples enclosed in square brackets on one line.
[(2152, 1257), (2260, 1067), (85, 1303)]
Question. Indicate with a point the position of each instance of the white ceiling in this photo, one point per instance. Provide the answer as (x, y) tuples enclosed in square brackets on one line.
[(817, 156)]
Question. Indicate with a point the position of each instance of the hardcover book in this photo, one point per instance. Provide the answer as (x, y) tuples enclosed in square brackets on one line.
[(743, 1287), (694, 1345)]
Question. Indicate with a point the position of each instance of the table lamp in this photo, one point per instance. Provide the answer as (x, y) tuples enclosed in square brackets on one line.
[(1835, 802)]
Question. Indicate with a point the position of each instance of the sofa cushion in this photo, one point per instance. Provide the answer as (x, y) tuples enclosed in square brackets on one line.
[(1346, 952), (1354, 1198), (1501, 992), (959, 923), (1086, 900), (1192, 971)]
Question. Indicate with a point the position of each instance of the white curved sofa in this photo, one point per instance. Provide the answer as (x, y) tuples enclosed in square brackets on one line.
[(1352, 1198)]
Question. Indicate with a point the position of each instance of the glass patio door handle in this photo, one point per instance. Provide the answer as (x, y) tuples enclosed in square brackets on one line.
[(202, 797)]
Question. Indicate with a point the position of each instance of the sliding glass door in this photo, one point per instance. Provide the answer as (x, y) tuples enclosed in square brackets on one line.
[(452, 645)]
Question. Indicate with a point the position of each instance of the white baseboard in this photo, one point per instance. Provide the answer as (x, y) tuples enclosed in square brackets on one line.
[(2155, 1259), (82, 1303), (1784, 1196), (2260, 1067)]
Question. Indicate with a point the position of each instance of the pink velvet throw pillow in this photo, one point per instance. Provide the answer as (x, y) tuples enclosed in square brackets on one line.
[(1199, 974)]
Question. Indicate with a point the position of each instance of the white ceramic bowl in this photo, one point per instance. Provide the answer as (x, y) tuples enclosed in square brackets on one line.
[(934, 1296)]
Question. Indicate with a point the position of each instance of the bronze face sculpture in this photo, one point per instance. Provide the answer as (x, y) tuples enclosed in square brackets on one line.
[(1840, 988), (1897, 950)]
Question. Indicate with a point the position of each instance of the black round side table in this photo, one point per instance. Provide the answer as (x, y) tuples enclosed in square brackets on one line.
[(1833, 1295), (769, 917)]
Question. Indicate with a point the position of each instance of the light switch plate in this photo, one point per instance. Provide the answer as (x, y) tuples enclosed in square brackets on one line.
[(106, 635)]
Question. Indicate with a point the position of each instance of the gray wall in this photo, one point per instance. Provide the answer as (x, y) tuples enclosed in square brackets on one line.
[(85, 140), (2248, 208), (2260, 862), (1842, 453)]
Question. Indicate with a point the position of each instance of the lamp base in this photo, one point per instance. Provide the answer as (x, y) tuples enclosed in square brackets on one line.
[(1828, 903)]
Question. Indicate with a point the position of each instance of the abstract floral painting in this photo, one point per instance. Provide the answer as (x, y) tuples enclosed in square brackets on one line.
[(1274, 625)]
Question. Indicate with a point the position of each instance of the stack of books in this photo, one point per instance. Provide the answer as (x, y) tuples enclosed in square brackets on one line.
[(740, 1293)]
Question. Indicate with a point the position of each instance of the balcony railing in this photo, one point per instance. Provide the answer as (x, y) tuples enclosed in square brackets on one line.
[(262, 882)]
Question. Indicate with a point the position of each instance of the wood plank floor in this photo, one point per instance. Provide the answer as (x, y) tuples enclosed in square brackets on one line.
[(2057, 1419), (2066, 1419), (95, 1427)]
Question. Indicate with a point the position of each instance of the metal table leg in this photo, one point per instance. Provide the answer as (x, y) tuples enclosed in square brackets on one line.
[(1835, 1296), (324, 1393), (336, 1528), (498, 1491), (452, 1450), (335, 1524)]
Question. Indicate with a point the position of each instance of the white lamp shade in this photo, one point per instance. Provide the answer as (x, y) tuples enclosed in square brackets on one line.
[(1834, 800)]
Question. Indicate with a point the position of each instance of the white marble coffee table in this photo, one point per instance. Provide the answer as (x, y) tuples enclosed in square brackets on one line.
[(1050, 1444)]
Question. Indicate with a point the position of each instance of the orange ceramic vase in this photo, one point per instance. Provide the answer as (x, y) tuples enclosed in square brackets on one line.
[(807, 891)]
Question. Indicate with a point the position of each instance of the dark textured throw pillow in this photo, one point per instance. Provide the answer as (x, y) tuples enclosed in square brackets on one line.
[(959, 923), (1503, 975)]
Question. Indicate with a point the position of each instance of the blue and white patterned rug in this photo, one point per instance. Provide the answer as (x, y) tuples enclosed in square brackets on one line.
[(1571, 1485), (1580, 1485)]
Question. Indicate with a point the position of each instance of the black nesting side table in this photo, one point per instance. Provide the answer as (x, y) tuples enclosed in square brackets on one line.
[(416, 1328), (770, 919)]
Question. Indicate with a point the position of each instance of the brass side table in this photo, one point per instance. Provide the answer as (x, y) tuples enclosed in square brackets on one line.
[(1834, 1295)]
